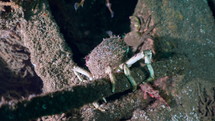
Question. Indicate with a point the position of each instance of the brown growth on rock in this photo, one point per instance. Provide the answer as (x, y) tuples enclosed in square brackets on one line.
[(17, 76)]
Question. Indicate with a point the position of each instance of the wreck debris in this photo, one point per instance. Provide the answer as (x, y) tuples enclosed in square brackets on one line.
[(206, 103)]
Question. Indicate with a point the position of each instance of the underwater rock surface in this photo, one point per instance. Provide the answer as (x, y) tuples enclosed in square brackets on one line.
[(33, 51)]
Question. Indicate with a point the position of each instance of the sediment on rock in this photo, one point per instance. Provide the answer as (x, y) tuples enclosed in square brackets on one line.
[(118, 109), (32, 45), (50, 55), (77, 96), (191, 34), (17, 78)]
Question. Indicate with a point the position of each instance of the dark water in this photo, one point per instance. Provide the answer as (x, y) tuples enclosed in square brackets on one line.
[(85, 28)]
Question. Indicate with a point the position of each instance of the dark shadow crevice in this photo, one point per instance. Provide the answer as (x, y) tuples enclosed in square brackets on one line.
[(211, 4), (85, 28)]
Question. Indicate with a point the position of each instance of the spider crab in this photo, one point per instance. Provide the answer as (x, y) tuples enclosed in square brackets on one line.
[(110, 57)]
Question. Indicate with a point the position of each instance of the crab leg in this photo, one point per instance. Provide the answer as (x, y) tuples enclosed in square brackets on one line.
[(134, 59), (79, 77), (109, 71), (77, 70), (96, 105), (148, 59), (147, 55), (127, 72), (151, 72)]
